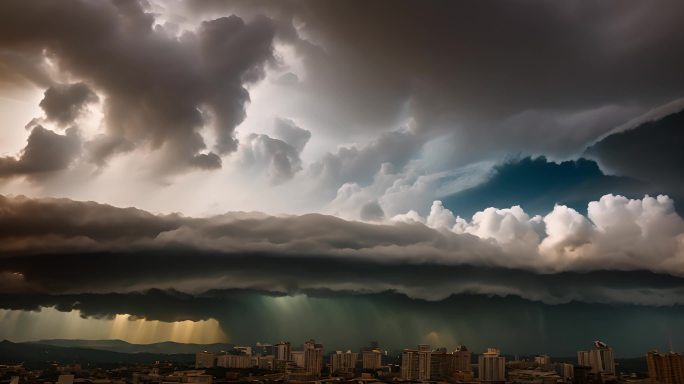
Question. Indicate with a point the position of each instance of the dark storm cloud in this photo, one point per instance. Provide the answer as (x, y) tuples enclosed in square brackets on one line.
[(45, 151), (392, 319), (126, 250), (568, 71), (154, 85), (538, 184), (292, 134), (651, 152), (294, 277), (372, 211), (62, 103), (448, 60), (25, 218)]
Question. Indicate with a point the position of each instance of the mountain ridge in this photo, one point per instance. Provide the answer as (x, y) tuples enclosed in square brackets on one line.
[(122, 346)]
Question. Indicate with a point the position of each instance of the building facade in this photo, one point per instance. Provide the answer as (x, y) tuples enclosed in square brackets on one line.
[(666, 368), (234, 361), (282, 351), (415, 363), (313, 358), (599, 358), (492, 366), (343, 362), (371, 360), (462, 359)]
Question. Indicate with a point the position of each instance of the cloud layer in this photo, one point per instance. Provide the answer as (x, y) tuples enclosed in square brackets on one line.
[(497, 252), (158, 89)]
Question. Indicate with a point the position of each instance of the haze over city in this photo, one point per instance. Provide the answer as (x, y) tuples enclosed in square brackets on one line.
[(489, 174)]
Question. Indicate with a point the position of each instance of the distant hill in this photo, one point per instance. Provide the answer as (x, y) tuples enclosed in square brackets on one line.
[(167, 347), (35, 354)]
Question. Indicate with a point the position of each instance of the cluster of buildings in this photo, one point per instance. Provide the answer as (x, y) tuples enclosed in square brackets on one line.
[(424, 363), (282, 362), (308, 362)]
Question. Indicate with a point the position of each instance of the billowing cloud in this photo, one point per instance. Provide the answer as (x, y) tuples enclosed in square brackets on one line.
[(292, 134), (159, 89), (372, 211), (359, 164), (617, 233), (564, 72), (557, 270), (231, 251), (64, 102), (277, 158), (46, 151)]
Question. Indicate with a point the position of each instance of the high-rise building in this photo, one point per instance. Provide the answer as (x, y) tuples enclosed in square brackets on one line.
[(282, 357), (424, 362), (313, 358), (409, 364), (372, 360), (583, 358), (415, 363), (666, 368), (205, 359), (542, 360), (461, 360), (282, 351), (599, 358), (343, 362), (440, 363), (492, 366)]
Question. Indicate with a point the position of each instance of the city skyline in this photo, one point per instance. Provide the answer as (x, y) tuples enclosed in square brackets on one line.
[(72, 360), (496, 174)]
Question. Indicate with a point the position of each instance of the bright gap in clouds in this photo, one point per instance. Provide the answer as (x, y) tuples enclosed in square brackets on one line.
[(49, 323)]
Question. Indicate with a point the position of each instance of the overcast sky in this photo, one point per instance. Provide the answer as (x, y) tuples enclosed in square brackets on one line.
[(407, 167)]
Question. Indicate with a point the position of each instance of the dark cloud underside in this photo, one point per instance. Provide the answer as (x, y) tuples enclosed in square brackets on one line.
[(512, 324), (651, 152)]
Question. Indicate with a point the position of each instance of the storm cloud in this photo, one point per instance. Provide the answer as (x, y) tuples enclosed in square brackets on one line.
[(45, 151), (64, 102), (569, 72), (158, 89), (263, 252), (650, 152), (433, 278), (447, 172)]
